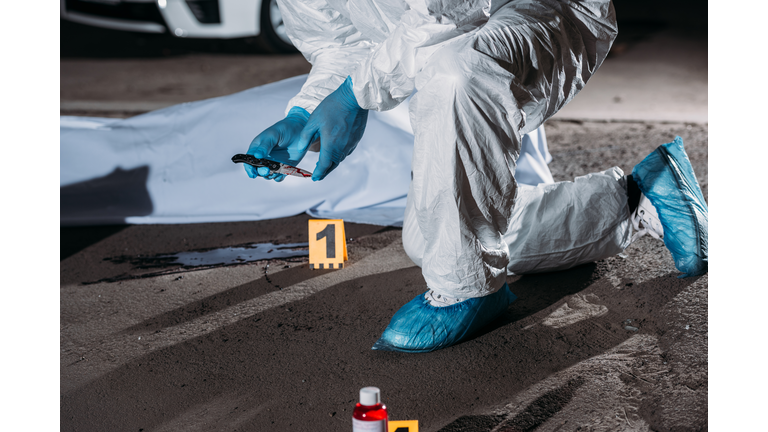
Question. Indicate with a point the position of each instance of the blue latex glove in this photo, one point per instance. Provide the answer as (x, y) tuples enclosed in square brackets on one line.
[(339, 122), (275, 141)]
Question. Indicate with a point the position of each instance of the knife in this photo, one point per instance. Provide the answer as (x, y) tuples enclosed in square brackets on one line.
[(274, 167)]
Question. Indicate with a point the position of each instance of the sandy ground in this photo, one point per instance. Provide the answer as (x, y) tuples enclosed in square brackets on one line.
[(620, 344)]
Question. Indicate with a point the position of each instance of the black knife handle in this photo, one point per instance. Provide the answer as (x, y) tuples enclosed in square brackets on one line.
[(256, 162)]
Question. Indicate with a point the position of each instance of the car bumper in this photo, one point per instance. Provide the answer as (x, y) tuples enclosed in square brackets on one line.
[(239, 18)]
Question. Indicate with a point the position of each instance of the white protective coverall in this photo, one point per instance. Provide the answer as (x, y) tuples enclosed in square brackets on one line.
[(485, 73)]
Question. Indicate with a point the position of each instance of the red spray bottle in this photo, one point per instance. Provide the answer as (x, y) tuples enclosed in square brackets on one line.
[(370, 415)]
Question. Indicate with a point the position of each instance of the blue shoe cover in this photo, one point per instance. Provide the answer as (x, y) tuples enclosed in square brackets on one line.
[(666, 178), (421, 327)]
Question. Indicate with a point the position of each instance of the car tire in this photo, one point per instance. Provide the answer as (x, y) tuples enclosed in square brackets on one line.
[(273, 38)]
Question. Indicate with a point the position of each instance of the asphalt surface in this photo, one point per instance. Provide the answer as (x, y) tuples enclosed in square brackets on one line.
[(620, 344), (653, 74)]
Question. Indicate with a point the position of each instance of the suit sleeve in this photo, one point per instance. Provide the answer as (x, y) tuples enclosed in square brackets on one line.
[(387, 74), (329, 41)]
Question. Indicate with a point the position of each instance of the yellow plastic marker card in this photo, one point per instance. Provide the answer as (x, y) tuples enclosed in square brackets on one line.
[(403, 426), (327, 244)]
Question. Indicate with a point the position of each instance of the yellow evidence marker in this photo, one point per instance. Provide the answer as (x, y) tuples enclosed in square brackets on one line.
[(327, 244), (403, 426)]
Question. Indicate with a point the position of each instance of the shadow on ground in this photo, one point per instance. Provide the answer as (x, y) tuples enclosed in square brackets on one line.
[(74, 239), (642, 302), (238, 377), (225, 299)]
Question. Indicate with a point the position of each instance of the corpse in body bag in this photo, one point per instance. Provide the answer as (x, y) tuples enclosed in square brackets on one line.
[(174, 166)]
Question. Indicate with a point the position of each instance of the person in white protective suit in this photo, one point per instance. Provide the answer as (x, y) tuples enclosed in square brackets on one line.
[(482, 74)]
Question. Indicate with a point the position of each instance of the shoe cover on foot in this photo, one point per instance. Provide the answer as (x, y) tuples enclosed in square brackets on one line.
[(421, 327), (666, 178)]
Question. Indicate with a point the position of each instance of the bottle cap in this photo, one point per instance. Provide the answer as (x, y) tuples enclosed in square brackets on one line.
[(370, 396)]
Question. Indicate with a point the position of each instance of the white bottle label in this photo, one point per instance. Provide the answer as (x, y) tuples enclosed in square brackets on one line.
[(369, 426)]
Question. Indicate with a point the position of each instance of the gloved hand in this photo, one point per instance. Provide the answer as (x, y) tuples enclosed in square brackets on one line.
[(339, 122), (278, 143)]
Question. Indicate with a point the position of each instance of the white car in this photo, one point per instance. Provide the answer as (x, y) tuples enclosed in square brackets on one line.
[(209, 19)]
